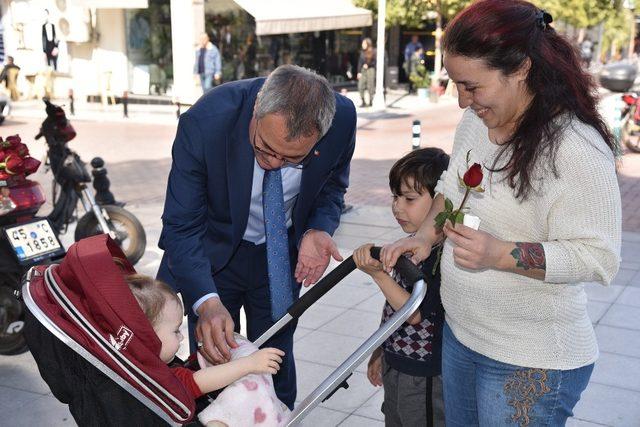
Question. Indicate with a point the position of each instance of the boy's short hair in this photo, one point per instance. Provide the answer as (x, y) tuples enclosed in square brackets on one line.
[(424, 166)]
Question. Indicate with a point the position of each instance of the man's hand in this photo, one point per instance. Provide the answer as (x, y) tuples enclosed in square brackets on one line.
[(215, 331), (316, 249)]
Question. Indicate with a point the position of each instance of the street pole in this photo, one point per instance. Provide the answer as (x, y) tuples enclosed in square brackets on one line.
[(378, 100)]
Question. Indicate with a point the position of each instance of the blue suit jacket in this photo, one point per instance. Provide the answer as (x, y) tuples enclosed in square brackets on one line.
[(209, 188)]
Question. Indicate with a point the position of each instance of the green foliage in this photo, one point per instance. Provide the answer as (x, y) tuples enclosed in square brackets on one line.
[(413, 13), (420, 77)]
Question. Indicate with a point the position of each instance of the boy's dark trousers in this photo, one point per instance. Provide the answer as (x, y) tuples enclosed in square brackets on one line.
[(411, 401), (244, 283)]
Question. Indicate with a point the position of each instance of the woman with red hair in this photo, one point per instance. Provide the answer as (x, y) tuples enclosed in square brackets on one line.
[(518, 345)]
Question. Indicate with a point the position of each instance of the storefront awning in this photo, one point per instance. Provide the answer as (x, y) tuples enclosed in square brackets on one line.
[(300, 16), (117, 4)]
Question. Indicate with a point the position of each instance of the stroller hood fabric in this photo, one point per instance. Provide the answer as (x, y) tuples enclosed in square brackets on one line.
[(87, 298)]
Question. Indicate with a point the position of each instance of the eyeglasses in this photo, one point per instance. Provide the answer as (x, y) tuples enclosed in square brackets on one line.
[(267, 151)]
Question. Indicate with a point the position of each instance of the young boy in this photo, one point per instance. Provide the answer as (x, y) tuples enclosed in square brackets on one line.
[(249, 397), (408, 364)]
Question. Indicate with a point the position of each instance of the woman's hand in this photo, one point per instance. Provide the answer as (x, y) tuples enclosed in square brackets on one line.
[(475, 249), (365, 262), (265, 361), (374, 368), (418, 247)]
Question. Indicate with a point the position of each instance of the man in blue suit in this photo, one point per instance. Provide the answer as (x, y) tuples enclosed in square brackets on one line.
[(259, 172)]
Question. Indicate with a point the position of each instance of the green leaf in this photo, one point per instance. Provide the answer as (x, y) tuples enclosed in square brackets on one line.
[(441, 218), (459, 218), (468, 157), (448, 205)]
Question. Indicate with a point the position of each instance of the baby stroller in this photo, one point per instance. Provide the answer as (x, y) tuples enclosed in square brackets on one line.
[(96, 350)]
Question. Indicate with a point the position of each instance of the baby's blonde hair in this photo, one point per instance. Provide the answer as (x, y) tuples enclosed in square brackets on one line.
[(151, 294)]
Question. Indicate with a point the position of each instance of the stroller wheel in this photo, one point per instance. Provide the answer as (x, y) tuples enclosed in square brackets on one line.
[(12, 340)]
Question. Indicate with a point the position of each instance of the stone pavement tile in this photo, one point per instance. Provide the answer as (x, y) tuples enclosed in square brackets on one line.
[(596, 310), (300, 333), (371, 232), (346, 296), (44, 411), (326, 348), (598, 292), (358, 421), (349, 400), (371, 407), (575, 422), (606, 405), (11, 399), (623, 277), (370, 215), (374, 304), (618, 340), (347, 244), (323, 417), (394, 235), (630, 250), (21, 372), (617, 371), (635, 280), (354, 323), (623, 316), (630, 296), (319, 314)]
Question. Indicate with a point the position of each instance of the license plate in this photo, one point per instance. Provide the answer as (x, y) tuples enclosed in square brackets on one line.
[(33, 241)]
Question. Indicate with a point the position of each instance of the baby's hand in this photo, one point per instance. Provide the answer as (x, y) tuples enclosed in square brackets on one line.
[(365, 262), (265, 361)]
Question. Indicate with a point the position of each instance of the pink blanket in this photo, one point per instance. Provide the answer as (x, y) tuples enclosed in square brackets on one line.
[(250, 401)]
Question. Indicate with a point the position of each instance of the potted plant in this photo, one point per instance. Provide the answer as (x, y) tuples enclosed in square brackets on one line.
[(421, 80)]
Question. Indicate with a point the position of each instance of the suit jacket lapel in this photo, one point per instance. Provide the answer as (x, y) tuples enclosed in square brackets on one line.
[(240, 162)]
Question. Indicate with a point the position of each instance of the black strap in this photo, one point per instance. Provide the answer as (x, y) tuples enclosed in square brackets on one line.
[(429, 401)]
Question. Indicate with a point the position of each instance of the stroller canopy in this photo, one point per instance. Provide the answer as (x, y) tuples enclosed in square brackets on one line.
[(86, 303)]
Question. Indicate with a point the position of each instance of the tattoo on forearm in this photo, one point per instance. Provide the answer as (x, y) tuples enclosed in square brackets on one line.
[(529, 256)]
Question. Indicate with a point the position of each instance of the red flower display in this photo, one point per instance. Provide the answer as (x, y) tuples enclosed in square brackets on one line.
[(15, 160)]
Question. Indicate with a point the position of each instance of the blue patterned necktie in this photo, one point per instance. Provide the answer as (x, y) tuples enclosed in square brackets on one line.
[(275, 227)]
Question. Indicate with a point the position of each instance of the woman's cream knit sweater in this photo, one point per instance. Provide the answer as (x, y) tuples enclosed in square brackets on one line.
[(576, 216)]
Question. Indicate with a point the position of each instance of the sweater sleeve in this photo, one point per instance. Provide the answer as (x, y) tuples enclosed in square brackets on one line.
[(584, 219), (186, 378)]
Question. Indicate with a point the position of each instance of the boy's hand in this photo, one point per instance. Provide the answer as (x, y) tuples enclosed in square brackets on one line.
[(365, 262), (374, 368), (265, 361)]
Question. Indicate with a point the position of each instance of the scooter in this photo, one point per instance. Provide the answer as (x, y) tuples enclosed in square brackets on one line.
[(630, 132)]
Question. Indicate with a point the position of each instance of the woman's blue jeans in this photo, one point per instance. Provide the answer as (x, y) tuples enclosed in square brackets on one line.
[(479, 391)]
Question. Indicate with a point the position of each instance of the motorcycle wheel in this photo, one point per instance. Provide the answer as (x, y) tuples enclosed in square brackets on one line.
[(129, 232), (630, 138), (12, 339)]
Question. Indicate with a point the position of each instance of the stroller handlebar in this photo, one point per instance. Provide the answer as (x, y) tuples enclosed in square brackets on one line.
[(407, 270)]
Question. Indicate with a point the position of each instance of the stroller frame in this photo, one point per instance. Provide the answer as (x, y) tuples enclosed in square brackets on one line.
[(325, 390)]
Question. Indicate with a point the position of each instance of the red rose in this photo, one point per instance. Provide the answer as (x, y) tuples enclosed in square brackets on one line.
[(12, 141), (473, 177), (31, 165), (21, 149), (4, 176), (14, 165)]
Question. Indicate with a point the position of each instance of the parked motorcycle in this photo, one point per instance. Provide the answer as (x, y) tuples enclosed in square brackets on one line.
[(27, 240), (103, 213), (630, 132)]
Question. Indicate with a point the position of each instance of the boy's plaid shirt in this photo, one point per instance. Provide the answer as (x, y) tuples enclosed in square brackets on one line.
[(414, 341)]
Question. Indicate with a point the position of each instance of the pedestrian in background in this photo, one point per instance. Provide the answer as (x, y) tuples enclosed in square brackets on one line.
[(367, 72), (9, 76), (409, 51), (518, 345), (208, 65)]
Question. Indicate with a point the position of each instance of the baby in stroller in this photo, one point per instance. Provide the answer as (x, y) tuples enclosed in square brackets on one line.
[(249, 397)]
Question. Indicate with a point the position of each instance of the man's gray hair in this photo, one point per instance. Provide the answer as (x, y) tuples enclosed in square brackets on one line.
[(302, 96)]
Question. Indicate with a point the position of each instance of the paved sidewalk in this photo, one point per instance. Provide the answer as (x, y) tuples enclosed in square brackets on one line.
[(335, 326)]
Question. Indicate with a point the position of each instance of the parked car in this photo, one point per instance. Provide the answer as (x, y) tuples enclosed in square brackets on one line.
[(5, 107), (618, 76)]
